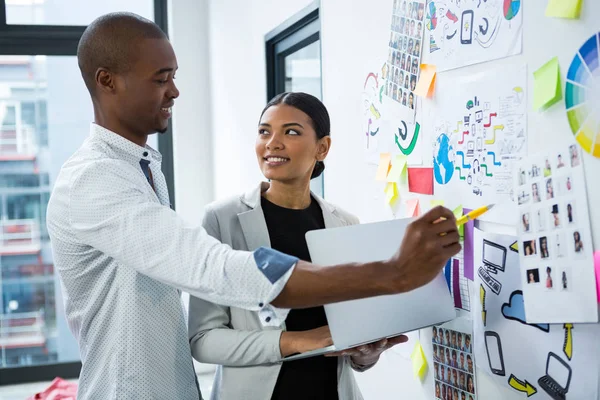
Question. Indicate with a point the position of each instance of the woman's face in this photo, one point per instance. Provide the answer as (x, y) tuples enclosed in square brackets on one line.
[(531, 277), (287, 146), (576, 236), (534, 189)]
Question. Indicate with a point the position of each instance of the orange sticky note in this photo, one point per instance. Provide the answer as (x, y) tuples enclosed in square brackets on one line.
[(426, 82), (384, 166), (412, 208)]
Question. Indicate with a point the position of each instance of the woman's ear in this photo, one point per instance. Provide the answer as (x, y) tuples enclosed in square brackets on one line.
[(323, 146)]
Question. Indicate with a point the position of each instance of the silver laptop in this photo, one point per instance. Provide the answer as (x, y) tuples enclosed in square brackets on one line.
[(357, 322)]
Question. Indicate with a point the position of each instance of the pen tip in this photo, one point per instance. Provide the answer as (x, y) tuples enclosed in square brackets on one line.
[(489, 207)]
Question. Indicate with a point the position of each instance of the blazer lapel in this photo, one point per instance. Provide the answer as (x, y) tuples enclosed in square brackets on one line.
[(253, 222), (331, 220)]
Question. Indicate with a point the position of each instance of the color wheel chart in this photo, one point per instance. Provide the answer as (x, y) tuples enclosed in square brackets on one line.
[(582, 96)]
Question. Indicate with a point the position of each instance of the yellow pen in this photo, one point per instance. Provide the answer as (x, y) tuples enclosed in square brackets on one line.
[(473, 214)]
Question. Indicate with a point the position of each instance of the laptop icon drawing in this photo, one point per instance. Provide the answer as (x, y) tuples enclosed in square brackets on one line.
[(494, 260), (557, 379)]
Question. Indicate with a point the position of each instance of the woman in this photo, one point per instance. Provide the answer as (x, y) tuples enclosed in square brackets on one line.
[(548, 278), (564, 280), (525, 222), (549, 189), (544, 247), (535, 193), (470, 384), (578, 242), (292, 142), (570, 212)]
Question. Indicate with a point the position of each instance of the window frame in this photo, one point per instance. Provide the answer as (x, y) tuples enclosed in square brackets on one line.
[(297, 32), (62, 40)]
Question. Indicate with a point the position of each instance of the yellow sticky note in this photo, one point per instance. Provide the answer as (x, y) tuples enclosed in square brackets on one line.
[(546, 87), (435, 203), (391, 193), (384, 166), (563, 9), (412, 208), (419, 361), (426, 82), (458, 212), (398, 168)]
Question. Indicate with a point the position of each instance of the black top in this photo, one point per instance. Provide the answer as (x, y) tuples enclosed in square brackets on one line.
[(312, 378)]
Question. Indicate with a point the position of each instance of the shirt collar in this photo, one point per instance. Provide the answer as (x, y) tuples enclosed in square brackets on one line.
[(127, 148)]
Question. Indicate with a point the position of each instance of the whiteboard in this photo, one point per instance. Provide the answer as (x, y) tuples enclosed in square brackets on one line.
[(354, 38)]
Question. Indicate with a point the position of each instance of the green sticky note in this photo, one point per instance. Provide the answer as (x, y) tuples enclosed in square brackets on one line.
[(419, 361), (398, 169), (391, 193), (458, 212), (546, 87), (435, 203), (563, 9)]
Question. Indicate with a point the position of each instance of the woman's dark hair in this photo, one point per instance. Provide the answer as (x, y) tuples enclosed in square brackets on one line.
[(315, 110)]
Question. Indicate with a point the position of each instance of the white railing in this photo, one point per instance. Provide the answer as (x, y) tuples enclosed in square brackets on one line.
[(19, 236), (20, 330), (17, 140)]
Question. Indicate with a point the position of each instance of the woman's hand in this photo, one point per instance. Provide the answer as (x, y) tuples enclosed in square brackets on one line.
[(303, 341), (368, 354)]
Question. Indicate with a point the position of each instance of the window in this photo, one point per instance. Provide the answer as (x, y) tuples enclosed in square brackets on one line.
[(294, 61), (45, 113)]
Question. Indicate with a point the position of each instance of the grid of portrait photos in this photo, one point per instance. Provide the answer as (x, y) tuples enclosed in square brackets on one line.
[(549, 218), (453, 365), (404, 53)]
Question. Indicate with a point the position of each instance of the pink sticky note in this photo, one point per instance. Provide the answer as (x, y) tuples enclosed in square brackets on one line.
[(420, 180), (597, 267), (412, 208)]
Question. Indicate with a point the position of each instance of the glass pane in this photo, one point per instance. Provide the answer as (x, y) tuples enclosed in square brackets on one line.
[(70, 12), (303, 74), (44, 117), (303, 70)]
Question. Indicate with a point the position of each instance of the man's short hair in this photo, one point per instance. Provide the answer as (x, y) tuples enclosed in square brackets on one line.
[(110, 42)]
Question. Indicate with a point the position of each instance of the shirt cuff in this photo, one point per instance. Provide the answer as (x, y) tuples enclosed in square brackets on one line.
[(270, 315), (273, 264)]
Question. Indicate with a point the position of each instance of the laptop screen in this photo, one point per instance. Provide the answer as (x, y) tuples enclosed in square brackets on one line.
[(494, 255), (558, 372)]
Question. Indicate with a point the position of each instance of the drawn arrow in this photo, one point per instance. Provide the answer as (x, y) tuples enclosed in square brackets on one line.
[(462, 139), (482, 298), (490, 122), (568, 345), (451, 36), (373, 133), (462, 178), (493, 139), (515, 247), (451, 16), (521, 386), (497, 163), (482, 29), (403, 132), (486, 170), (406, 151), (462, 155)]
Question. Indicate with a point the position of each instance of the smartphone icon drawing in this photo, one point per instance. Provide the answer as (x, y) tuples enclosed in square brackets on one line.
[(466, 31), (493, 347)]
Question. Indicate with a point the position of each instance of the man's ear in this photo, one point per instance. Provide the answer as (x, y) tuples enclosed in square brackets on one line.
[(105, 80)]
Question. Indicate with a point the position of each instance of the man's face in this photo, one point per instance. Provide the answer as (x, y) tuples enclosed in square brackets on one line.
[(470, 363), (144, 95), (462, 359)]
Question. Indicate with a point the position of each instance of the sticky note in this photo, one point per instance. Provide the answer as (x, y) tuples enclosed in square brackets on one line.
[(435, 203), (391, 193), (384, 166), (458, 212), (420, 180), (597, 267), (563, 9), (398, 168), (419, 361), (412, 208), (426, 82), (546, 87)]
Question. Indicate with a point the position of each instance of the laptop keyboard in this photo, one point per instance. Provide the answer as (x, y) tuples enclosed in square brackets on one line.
[(552, 388)]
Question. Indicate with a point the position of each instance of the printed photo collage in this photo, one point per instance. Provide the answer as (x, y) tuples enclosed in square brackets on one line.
[(404, 53), (453, 365), (548, 220)]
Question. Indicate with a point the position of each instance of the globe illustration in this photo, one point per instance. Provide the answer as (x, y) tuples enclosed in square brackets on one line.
[(443, 167)]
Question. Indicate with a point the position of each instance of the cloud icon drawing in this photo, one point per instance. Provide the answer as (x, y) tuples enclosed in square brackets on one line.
[(515, 310)]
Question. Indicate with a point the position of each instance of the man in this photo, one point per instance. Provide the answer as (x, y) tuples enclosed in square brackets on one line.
[(462, 362), (468, 343), (442, 374), (435, 331), (448, 342), (460, 344), (454, 362), (454, 344), (123, 255), (441, 336), (470, 363)]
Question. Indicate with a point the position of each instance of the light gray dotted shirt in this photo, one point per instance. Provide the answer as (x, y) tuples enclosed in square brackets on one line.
[(122, 255)]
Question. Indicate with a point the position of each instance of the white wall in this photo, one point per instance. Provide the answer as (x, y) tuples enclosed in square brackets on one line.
[(239, 88)]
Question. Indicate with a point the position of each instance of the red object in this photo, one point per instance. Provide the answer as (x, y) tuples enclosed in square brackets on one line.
[(420, 180), (59, 389), (451, 16)]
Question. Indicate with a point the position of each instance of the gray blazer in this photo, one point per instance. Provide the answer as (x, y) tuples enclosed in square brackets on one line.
[(247, 353)]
